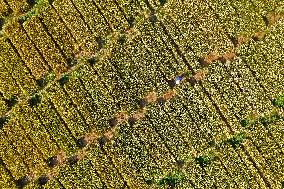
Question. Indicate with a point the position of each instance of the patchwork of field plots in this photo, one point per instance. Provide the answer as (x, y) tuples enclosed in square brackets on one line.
[(141, 94)]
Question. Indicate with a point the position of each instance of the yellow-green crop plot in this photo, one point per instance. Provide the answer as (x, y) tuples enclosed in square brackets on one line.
[(141, 94)]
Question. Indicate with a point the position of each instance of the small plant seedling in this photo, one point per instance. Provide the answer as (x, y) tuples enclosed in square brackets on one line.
[(132, 120), (93, 60), (42, 180), (31, 2), (279, 101), (130, 21), (3, 121), (180, 163), (34, 100), (2, 22), (113, 122), (267, 119), (246, 122), (64, 79), (52, 161), (73, 159), (100, 42), (122, 39), (163, 2), (172, 179), (71, 62), (149, 181), (41, 82), (153, 18), (204, 160), (45, 80), (102, 141), (22, 182), (82, 142), (187, 74), (143, 103), (12, 101), (236, 140)]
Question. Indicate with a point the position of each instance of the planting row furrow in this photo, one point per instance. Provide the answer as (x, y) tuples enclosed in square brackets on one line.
[(120, 153), (4, 8), (264, 7), (210, 128), (84, 103), (131, 9), (54, 128), (68, 111), (104, 103), (34, 128), (3, 107), (236, 17), (101, 161), (25, 147), (12, 158), (153, 37)]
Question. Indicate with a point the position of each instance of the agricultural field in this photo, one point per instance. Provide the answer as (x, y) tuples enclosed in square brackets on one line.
[(141, 94)]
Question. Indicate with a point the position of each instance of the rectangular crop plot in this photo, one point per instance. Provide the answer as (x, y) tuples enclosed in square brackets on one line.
[(11, 157), (59, 31), (22, 143), (103, 103), (46, 45), (195, 27), (17, 69), (55, 125), (76, 24), (8, 86), (30, 120), (99, 26), (27, 51), (68, 111)]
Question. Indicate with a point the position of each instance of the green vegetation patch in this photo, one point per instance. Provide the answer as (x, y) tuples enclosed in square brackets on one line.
[(172, 179), (279, 101), (247, 122), (64, 79), (34, 100), (44, 81), (268, 119), (12, 101), (3, 121), (163, 2), (39, 6), (205, 160), (236, 140)]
